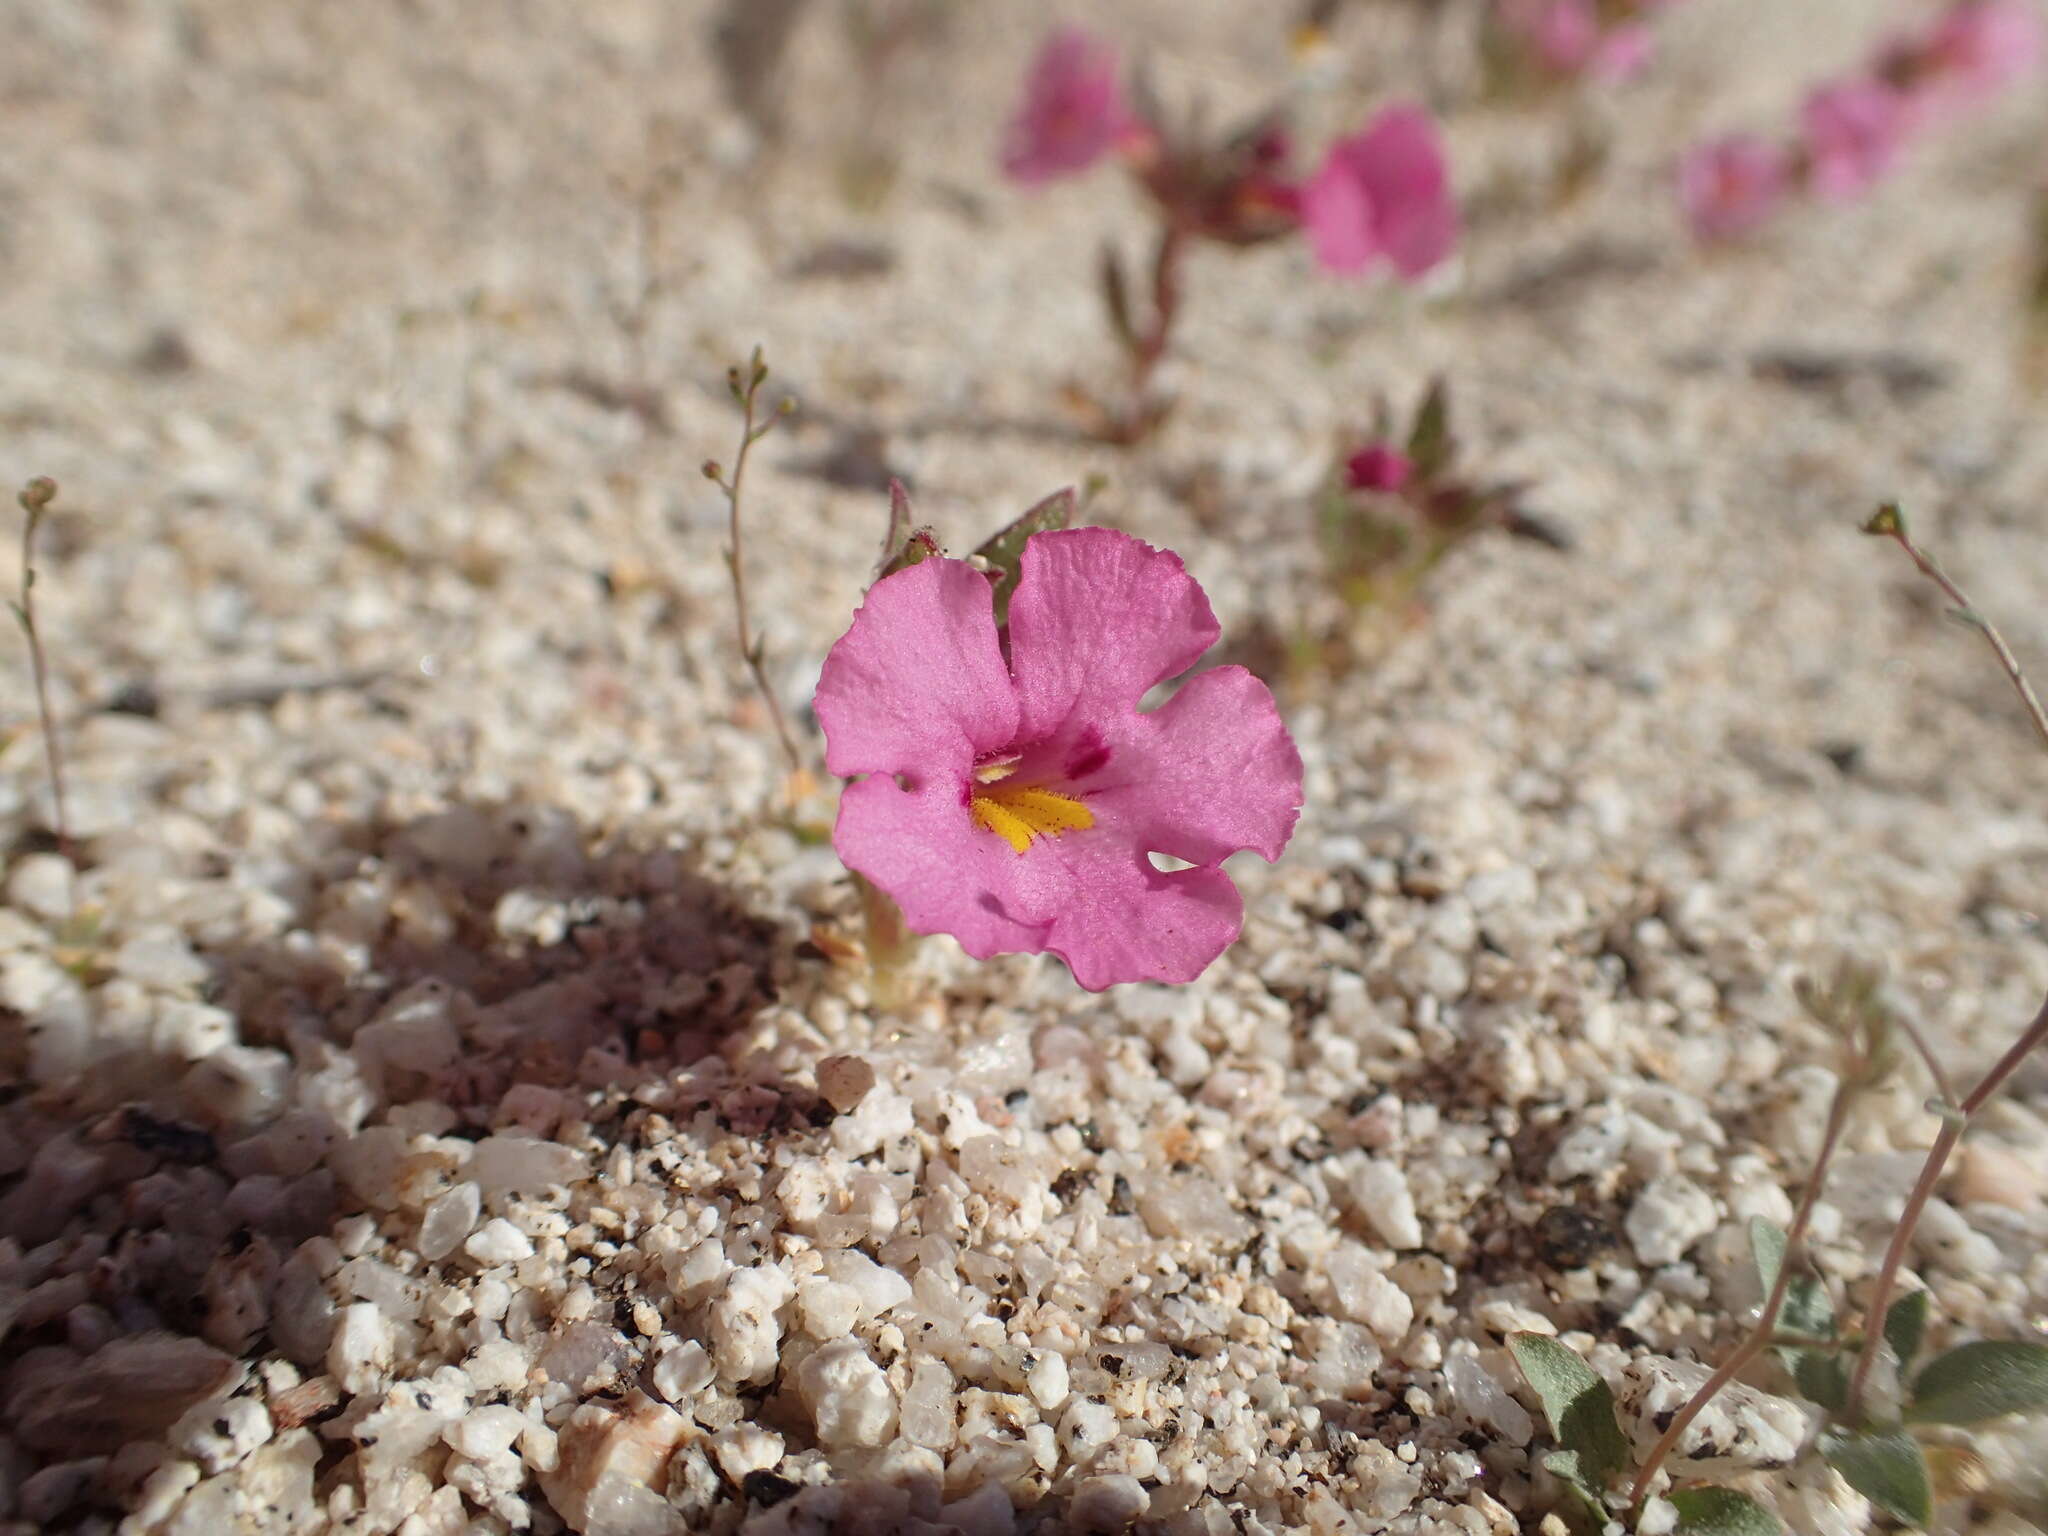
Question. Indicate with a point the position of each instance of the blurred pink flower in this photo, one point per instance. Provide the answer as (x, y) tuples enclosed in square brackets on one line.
[(1979, 46), (1383, 192), (1622, 52), (1852, 133), (1570, 37), (1073, 111), (1731, 186), (1377, 467), (1014, 803), (1564, 33)]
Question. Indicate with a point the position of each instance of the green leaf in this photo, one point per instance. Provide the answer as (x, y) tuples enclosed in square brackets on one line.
[(1580, 1409), (1722, 1512), (1582, 1510), (1116, 299), (1905, 1321), (1429, 440), (1979, 1381), (1807, 1310), (1005, 552), (1886, 1467), (1822, 1376)]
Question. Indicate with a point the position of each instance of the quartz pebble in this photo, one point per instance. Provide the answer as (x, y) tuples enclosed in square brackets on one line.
[(497, 1241), (1668, 1217), (1741, 1428), (848, 1396)]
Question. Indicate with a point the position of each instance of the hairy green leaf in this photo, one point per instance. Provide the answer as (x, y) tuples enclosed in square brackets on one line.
[(1005, 551), (900, 521), (1430, 447), (1979, 1381), (1822, 1376), (1722, 1512), (1581, 1509), (1905, 1322), (1579, 1406), (1807, 1310), (1886, 1467)]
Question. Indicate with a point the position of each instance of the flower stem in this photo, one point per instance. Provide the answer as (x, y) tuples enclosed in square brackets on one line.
[(746, 388), (1142, 414), (1890, 522), (1765, 1328), (888, 941), (35, 499), (1952, 1127)]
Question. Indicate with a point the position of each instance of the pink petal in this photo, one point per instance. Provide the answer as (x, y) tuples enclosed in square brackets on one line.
[(1853, 132), (1098, 618), (1209, 772), (1731, 186), (1402, 165), (1623, 52), (946, 874), (1981, 45), (1385, 191), (1073, 111), (1119, 919), (1338, 218), (917, 685), (1565, 32), (1095, 901)]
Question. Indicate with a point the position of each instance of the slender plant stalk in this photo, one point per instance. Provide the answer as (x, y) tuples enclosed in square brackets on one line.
[(1147, 347), (1953, 1122), (1166, 290), (1889, 522), (35, 499), (746, 388), (1764, 1332)]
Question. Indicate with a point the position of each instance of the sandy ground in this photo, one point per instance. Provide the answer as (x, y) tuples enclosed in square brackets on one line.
[(424, 1129)]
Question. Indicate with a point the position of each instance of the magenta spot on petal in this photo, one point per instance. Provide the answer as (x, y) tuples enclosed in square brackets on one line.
[(1088, 755)]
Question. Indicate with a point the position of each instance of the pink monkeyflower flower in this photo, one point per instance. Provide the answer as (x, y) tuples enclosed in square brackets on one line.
[(1730, 187), (1622, 53), (1377, 467), (1980, 46), (1565, 34), (1852, 132), (1012, 801), (1383, 192), (1073, 112)]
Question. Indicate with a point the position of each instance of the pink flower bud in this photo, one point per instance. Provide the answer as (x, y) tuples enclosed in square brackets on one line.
[(1729, 187), (1853, 132), (1377, 467)]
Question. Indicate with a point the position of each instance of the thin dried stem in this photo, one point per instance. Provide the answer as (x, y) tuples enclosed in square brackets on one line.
[(1764, 1331), (35, 499), (1952, 1126), (746, 389), (1889, 522), (1942, 1089)]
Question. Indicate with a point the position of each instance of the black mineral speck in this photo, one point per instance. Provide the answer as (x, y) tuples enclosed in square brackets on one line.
[(766, 1489)]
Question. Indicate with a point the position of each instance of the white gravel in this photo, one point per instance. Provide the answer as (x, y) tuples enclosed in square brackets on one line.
[(452, 1108)]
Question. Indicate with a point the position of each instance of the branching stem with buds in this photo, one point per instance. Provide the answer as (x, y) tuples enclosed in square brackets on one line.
[(35, 499), (745, 385)]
